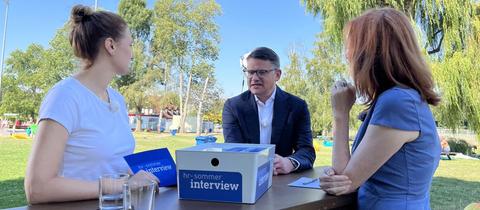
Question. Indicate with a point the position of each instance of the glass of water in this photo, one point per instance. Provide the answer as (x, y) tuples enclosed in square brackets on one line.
[(139, 194), (111, 191)]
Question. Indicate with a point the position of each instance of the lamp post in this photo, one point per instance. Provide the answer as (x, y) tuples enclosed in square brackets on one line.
[(243, 66), (3, 46)]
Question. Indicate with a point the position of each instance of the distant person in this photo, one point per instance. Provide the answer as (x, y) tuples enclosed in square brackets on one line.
[(445, 147), (83, 129), (265, 114), (396, 150), (4, 123), (17, 125)]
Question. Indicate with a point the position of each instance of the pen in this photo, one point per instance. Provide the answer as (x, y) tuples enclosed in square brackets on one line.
[(310, 182)]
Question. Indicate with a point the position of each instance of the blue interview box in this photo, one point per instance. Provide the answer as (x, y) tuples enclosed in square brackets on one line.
[(238, 173)]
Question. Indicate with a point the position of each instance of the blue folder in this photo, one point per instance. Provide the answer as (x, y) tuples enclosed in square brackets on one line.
[(159, 162)]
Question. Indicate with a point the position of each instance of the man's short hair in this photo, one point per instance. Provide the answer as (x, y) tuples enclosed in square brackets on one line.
[(266, 54)]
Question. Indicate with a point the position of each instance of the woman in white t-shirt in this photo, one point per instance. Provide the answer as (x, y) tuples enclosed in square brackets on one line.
[(83, 129)]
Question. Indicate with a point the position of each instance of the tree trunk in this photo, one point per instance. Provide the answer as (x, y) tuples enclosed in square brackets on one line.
[(165, 76), (160, 116), (199, 112), (32, 115), (185, 104), (180, 92), (138, 127)]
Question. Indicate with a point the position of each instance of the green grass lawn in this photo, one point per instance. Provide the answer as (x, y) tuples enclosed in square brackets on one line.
[(456, 182)]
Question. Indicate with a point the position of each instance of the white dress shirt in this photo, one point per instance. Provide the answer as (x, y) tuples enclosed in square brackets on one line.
[(265, 117)]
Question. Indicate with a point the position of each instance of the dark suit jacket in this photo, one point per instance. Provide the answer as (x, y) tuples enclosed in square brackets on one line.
[(291, 131)]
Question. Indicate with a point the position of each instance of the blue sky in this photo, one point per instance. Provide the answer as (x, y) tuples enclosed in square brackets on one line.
[(244, 25)]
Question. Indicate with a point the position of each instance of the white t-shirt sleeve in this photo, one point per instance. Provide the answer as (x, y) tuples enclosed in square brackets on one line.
[(59, 105)]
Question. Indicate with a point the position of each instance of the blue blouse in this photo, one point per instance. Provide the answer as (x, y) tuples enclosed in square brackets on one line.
[(404, 181)]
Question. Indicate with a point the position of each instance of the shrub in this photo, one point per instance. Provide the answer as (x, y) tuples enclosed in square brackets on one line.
[(459, 145)]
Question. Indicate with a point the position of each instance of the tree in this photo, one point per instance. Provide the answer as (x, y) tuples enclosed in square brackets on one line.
[(137, 16), (23, 92), (208, 102), (213, 113), (202, 90), (60, 62), (461, 101), (185, 36), (170, 41), (449, 33), (294, 78), (458, 77), (31, 73), (322, 70), (139, 84), (203, 50), (445, 24), (312, 79), (162, 100)]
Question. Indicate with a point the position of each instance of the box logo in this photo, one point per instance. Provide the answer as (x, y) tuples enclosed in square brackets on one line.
[(210, 185), (263, 174)]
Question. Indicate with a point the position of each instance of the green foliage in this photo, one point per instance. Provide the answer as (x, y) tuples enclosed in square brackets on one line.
[(185, 29), (458, 78), (179, 35), (31, 73), (185, 38), (213, 105), (312, 78), (170, 32), (22, 92), (213, 92), (138, 17), (294, 79), (213, 117), (163, 100), (137, 93), (325, 66), (449, 31), (459, 145), (185, 41), (448, 19), (137, 86), (60, 62), (171, 41)]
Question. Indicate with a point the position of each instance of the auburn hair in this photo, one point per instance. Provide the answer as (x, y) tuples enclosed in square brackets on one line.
[(383, 52)]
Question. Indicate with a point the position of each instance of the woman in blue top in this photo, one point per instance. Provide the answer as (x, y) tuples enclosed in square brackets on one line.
[(396, 150)]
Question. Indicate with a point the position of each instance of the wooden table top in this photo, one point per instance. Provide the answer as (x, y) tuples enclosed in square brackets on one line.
[(279, 196)]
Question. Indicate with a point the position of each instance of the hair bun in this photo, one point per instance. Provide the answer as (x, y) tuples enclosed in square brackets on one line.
[(80, 13)]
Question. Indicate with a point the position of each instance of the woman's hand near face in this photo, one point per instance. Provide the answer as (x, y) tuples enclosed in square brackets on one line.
[(343, 97)]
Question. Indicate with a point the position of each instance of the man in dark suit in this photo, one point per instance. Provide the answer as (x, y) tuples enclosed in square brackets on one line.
[(265, 114)]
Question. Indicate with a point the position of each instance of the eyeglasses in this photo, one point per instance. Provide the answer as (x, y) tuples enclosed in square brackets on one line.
[(260, 73)]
